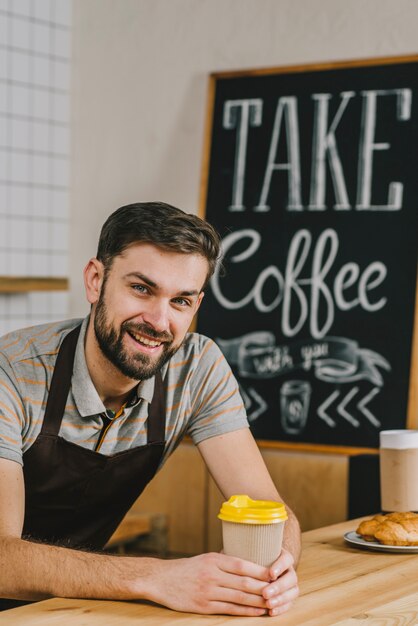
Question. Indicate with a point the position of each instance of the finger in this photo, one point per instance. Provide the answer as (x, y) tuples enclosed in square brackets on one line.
[(284, 598), (286, 581), (234, 565), (280, 609), (284, 562), (226, 608), (243, 583), (242, 598)]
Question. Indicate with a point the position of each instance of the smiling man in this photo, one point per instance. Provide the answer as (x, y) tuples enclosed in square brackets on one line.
[(90, 410)]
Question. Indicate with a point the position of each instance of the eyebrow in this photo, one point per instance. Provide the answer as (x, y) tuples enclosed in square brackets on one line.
[(142, 277), (151, 283)]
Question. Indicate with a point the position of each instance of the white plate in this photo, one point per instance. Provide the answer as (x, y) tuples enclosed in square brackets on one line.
[(356, 540)]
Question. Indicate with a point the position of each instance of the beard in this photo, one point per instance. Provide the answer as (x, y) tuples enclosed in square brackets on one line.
[(136, 366)]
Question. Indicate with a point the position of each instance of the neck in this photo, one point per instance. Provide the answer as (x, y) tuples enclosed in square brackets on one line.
[(112, 386)]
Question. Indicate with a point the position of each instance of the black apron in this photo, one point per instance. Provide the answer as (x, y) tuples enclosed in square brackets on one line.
[(76, 497)]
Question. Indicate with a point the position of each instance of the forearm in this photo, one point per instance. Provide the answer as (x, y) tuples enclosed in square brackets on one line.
[(35, 571), (291, 537), (208, 583)]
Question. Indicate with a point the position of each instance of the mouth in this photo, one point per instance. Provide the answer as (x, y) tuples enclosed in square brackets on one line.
[(146, 342)]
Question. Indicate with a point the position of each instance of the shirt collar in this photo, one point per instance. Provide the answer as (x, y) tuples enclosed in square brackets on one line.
[(85, 395)]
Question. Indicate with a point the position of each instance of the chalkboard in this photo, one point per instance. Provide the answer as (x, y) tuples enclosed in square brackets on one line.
[(311, 177)]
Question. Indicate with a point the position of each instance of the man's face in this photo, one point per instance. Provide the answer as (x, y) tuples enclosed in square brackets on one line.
[(145, 307)]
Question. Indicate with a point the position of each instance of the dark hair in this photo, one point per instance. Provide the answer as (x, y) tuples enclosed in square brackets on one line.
[(159, 224)]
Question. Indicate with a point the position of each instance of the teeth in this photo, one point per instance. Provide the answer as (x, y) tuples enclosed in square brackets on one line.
[(147, 342)]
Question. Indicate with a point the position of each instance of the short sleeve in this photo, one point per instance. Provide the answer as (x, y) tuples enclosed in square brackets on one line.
[(12, 414), (217, 406)]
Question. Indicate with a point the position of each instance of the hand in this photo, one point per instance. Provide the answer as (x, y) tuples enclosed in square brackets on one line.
[(216, 583), (283, 588)]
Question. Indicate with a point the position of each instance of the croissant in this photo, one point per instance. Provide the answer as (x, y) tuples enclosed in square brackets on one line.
[(368, 527), (393, 529)]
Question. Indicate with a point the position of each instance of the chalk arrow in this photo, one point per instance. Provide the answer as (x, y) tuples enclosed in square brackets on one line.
[(366, 412), (254, 404), (341, 408), (321, 409)]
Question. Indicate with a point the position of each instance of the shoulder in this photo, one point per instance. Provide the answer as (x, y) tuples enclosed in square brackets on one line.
[(195, 349), (35, 341), (197, 361)]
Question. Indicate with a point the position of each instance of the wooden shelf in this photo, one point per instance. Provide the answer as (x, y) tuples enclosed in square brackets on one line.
[(132, 526), (20, 284)]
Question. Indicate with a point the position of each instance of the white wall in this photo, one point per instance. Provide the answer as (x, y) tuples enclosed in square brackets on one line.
[(140, 80), (35, 60)]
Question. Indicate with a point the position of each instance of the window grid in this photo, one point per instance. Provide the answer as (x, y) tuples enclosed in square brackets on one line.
[(35, 66)]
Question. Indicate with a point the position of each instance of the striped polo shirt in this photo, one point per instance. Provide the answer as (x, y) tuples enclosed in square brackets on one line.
[(202, 397)]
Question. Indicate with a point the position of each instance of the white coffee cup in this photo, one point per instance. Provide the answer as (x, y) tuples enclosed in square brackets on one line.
[(399, 470)]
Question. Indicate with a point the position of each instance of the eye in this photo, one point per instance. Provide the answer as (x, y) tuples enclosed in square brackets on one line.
[(140, 288), (183, 302)]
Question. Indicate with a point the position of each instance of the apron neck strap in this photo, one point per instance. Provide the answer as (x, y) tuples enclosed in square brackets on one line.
[(60, 384), (156, 414)]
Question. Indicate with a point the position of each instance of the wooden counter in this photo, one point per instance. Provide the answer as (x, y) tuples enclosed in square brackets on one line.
[(339, 585)]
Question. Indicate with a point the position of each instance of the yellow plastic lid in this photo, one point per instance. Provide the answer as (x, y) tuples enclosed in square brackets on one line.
[(242, 509)]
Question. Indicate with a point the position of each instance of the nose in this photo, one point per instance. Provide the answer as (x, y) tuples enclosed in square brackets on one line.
[(157, 315)]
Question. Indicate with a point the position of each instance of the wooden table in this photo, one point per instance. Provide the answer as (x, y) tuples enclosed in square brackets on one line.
[(339, 585)]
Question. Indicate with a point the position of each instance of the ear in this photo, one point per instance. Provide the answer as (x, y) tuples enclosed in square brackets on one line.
[(93, 280)]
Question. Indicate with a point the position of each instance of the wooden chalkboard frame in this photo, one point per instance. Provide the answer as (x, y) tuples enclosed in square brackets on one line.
[(412, 406)]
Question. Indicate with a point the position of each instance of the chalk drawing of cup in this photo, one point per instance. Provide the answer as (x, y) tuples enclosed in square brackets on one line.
[(295, 397)]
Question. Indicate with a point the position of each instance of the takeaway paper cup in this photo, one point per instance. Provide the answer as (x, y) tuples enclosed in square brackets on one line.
[(399, 470), (253, 529)]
